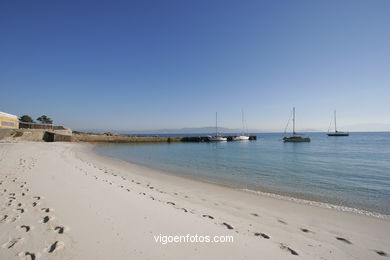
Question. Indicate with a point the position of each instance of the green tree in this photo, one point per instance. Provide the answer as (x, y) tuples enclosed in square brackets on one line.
[(26, 118), (45, 120)]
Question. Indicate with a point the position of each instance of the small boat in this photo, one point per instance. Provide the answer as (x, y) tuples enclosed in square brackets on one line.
[(295, 138), (336, 133), (217, 137), (243, 136)]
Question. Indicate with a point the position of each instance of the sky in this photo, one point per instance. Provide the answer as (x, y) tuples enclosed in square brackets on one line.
[(144, 65)]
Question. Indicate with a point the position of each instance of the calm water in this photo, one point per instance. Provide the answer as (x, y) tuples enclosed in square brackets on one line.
[(350, 171)]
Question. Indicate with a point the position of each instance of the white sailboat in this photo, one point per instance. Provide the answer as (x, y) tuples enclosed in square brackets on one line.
[(217, 137), (295, 138), (243, 136), (337, 133)]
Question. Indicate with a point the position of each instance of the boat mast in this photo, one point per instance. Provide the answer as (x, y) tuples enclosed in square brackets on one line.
[(242, 117), (335, 128), (293, 120), (216, 123)]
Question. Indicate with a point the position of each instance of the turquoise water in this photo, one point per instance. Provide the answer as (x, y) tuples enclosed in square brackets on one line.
[(349, 171)]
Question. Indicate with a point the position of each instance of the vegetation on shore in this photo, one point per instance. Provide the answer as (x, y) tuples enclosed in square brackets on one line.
[(42, 119)]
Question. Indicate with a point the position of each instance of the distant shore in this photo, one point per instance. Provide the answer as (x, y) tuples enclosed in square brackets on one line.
[(76, 204)]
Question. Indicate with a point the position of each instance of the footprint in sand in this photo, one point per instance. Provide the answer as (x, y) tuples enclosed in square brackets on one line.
[(28, 255), (4, 218), (228, 226), (344, 240), (381, 253), (20, 210), (12, 243), (46, 219), (55, 246), (262, 235), (305, 230), (12, 220), (59, 229), (285, 247), (24, 228)]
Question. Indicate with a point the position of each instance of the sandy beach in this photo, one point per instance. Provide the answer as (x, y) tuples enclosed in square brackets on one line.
[(62, 201)]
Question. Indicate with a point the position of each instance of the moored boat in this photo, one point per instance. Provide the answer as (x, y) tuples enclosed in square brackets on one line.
[(336, 133), (295, 138), (244, 136), (240, 138), (217, 137)]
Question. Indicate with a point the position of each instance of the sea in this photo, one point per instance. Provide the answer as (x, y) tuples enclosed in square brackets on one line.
[(346, 173)]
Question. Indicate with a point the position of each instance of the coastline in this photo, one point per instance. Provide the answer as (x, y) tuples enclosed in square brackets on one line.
[(112, 208), (260, 191)]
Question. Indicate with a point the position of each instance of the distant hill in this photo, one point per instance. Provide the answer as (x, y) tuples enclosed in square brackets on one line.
[(186, 130), (211, 130)]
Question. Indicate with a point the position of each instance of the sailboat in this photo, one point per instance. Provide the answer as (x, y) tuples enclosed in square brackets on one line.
[(243, 136), (337, 133), (295, 138), (217, 137)]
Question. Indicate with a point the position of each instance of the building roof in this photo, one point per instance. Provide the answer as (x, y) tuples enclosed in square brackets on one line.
[(8, 115)]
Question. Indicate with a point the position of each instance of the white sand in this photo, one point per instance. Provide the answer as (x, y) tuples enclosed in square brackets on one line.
[(105, 214)]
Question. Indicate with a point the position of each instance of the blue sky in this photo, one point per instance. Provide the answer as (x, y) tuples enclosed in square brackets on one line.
[(137, 65)]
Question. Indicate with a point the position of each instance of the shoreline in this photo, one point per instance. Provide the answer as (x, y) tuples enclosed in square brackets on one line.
[(259, 191), (109, 208), (320, 204)]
